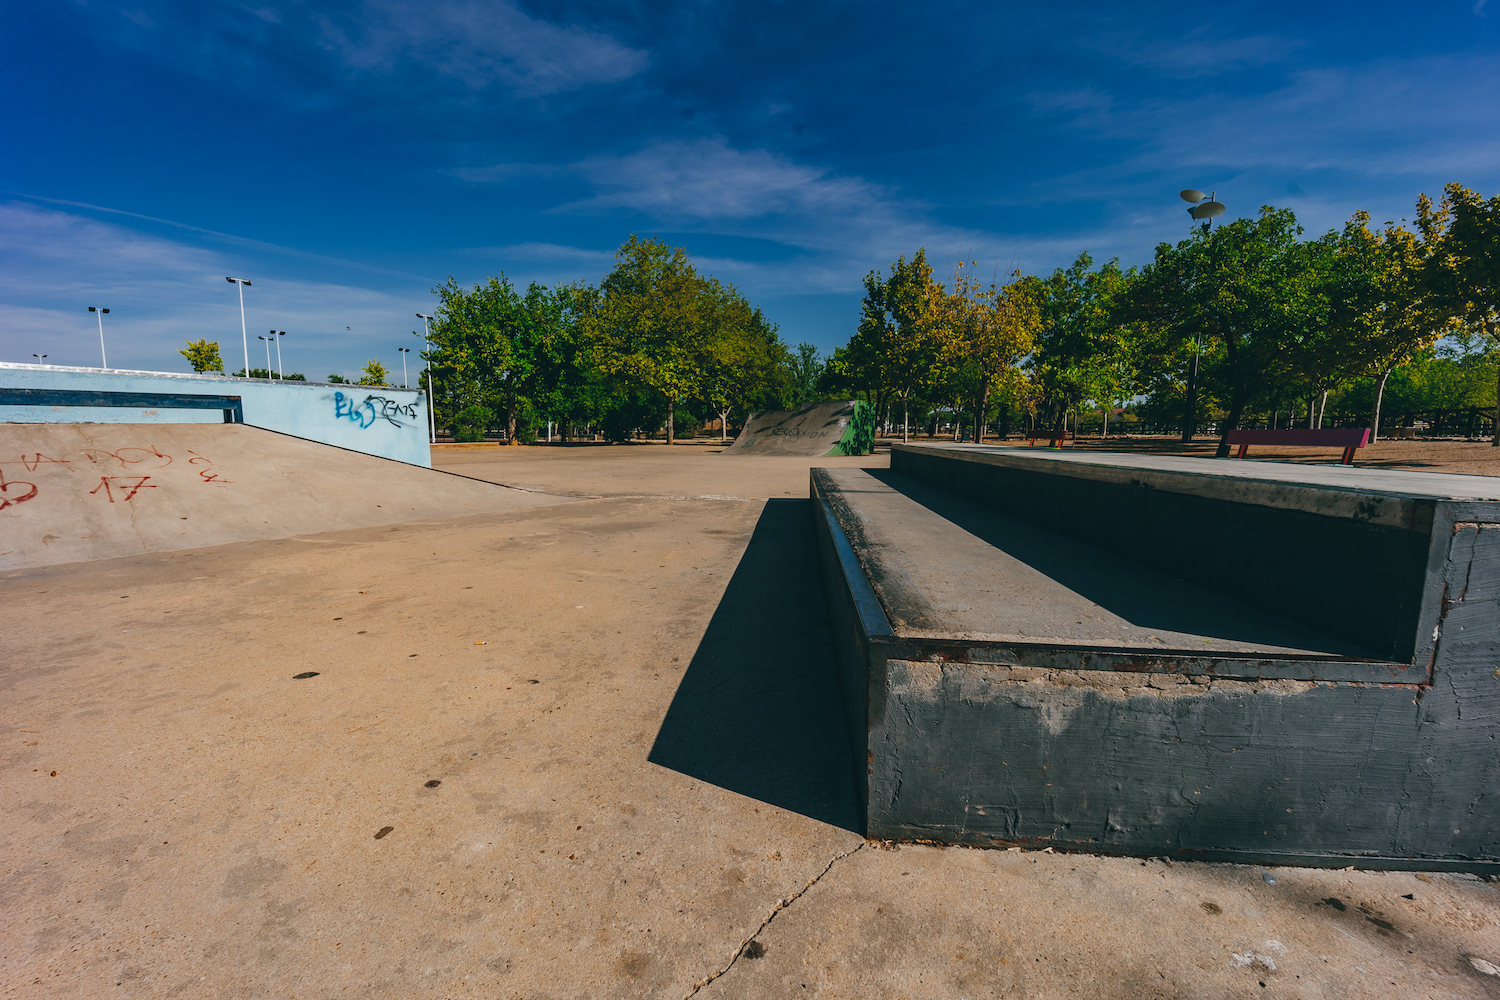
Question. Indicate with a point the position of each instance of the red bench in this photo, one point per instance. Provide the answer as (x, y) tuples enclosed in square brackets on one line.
[(1054, 438), (1347, 438)]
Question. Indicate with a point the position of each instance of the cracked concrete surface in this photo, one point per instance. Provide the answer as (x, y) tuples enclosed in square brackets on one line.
[(642, 785)]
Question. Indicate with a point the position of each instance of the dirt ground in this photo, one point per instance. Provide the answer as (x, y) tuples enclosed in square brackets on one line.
[(589, 749)]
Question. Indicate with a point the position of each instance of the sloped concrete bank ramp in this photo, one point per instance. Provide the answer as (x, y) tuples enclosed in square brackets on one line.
[(71, 492), (832, 427)]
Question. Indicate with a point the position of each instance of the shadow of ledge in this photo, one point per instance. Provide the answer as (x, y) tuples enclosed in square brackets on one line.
[(758, 711)]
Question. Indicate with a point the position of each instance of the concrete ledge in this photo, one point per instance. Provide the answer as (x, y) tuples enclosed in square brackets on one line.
[(1351, 552), (1040, 715)]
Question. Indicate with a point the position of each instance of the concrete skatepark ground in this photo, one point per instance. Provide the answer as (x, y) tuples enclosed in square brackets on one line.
[(624, 692)]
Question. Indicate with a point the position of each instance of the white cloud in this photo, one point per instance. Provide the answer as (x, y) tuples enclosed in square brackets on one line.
[(479, 43), (829, 229)]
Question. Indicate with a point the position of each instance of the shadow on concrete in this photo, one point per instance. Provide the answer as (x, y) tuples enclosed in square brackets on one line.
[(758, 711), (1138, 594)]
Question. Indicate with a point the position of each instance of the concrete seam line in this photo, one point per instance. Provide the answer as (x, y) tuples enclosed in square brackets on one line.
[(780, 905)]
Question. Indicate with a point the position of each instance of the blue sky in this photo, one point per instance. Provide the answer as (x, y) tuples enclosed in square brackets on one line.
[(348, 156)]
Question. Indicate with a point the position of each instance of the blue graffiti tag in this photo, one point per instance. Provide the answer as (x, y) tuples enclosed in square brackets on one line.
[(371, 409)]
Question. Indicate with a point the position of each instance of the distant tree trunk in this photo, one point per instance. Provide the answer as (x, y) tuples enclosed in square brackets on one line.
[(671, 420), (1231, 422), (1321, 407), (723, 425), (979, 412), (1104, 414), (1375, 410), (905, 417), (510, 422)]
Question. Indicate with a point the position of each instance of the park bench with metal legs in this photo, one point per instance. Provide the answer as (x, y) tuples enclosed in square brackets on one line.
[(1054, 438), (1347, 438), (1055, 649)]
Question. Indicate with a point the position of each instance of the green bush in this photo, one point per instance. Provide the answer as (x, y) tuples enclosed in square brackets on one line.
[(471, 423)]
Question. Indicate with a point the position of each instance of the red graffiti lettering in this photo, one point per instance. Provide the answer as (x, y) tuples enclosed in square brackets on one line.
[(38, 459), (111, 483), (14, 492)]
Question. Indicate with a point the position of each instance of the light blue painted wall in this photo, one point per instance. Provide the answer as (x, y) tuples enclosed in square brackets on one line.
[(380, 421)]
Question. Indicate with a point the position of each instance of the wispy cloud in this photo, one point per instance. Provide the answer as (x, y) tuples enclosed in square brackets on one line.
[(480, 42), (1201, 52), (162, 292), (477, 44), (241, 241), (831, 228)]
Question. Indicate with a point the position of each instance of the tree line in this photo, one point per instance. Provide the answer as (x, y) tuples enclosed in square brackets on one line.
[(655, 343), (1247, 322)]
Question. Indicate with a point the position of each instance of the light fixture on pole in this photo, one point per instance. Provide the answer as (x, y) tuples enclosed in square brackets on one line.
[(404, 352), (1205, 207), (103, 361), (242, 284), (431, 400), (39, 357), (280, 371)]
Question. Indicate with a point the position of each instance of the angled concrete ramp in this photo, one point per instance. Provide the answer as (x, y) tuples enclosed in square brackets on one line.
[(71, 492), (832, 427)]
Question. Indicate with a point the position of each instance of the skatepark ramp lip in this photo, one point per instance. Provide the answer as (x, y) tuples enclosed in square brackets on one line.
[(79, 492), (830, 427)]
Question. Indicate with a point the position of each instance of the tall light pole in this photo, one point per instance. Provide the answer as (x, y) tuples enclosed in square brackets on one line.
[(404, 352), (432, 400), (103, 361), (39, 357), (242, 284), (280, 371), (268, 352)]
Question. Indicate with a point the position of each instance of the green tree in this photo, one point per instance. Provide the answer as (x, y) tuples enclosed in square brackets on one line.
[(1244, 292), (203, 355), (374, 373), (741, 355), (338, 380), (1082, 350), (1387, 309), (806, 369), (986, 331), (1464, 270), (650, 322), (492, 343)]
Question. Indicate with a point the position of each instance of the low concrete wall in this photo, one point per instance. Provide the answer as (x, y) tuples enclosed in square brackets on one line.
[(1043, 738), (384, 421)]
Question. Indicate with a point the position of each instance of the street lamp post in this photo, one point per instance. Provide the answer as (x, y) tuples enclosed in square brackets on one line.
[(268, 353), (404, 352), (431, 400), (1206, 208), (280, 371), (103, 361), (242, 284), (39, 357)]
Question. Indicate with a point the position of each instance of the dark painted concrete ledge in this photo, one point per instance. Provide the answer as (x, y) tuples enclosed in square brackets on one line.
[(1011, 684)]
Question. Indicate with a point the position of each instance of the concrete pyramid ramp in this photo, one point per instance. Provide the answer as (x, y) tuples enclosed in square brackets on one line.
[(71, 492), (832, 427)]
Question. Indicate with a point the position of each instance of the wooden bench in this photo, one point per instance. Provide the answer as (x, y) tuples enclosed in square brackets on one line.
[(1347, 438), (1054, 438)]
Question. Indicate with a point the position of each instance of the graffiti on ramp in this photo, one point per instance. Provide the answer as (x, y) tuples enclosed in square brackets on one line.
[(832, 427)]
